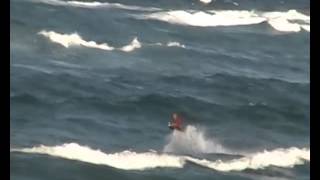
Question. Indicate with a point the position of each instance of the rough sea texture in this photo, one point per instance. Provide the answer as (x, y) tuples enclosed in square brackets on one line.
[(94, 84)]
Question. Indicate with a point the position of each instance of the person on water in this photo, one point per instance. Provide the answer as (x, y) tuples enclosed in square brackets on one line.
[(176, 122)]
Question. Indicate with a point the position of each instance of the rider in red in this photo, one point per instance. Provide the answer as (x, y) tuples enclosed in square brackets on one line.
[(176, 122)]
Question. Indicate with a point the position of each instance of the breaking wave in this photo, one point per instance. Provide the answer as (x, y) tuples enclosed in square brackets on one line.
[(74, 39), (280, 21), (95, 4), (203, 19), (278, 157), (128, 160)]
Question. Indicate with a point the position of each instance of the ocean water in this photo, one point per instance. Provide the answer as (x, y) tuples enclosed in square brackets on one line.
[(94, 84)]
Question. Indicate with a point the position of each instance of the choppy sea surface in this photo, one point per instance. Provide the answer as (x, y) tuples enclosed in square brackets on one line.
[(94, 84)]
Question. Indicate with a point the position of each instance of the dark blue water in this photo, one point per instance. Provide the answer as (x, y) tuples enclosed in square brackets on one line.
[(94, 84)]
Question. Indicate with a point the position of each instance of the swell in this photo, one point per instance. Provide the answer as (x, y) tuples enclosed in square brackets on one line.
[(213, 97), (245, 85), (230, 59), (102, 112), (205, 108)]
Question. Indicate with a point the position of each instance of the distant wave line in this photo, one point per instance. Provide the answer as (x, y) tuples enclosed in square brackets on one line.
[(95, 4)]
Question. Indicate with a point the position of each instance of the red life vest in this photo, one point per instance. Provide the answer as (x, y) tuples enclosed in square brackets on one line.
[(177, 122)]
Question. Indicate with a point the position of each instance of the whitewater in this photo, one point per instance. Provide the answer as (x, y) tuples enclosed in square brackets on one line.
[(170, 158), (280, 21)]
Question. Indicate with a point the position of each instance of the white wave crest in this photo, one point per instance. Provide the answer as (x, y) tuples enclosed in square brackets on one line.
[(278, 157), (206, 1), (306, 27), (170, 44), (126, 160), (132, 46), (290, 15), (281, 20), (87, 4), (203, 19), (129, 160), (278, 20), (193, 141), (95, 4), (74, 39), (176, 44), (282, 24)]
